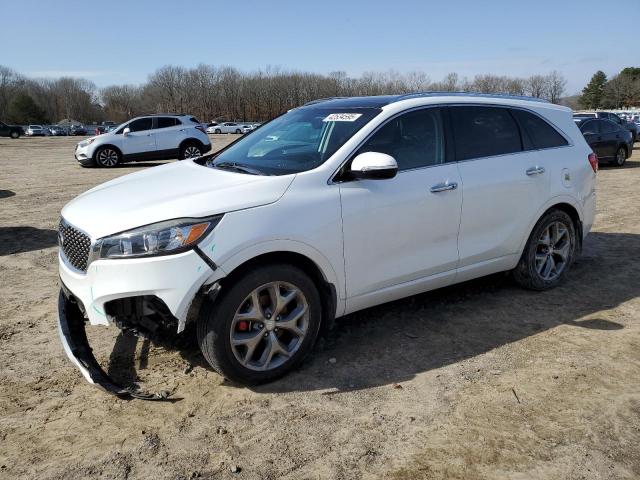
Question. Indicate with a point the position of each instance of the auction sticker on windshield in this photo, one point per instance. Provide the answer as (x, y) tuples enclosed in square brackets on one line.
[(342, 117)]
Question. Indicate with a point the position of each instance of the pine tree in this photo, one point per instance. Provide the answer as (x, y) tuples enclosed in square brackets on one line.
[(592, 93)]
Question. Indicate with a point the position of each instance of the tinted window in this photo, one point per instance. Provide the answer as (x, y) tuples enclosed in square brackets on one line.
[(414, 139), (141, 124), (615, 118), (608, 127), (538, 131), (484, 131), (591, 127), (164, 122), (194, 120)]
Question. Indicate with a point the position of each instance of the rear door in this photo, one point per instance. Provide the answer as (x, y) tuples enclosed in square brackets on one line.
[(140, 140), (591, 132), (169, 133), (611, 134), (503, 185)]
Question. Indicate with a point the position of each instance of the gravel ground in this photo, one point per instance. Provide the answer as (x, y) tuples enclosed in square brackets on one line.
[(478, 381)]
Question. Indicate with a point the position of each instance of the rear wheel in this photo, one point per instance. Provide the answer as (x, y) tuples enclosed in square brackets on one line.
[(238, 130), (190, 150), (621, 157), (15, 134), (107, 157), (263, 326), (549, 252)]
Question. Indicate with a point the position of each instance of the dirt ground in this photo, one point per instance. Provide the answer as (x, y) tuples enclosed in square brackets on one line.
[(478, 381)]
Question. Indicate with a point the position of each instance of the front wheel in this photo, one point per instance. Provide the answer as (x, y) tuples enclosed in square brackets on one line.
[(107, 157), (262, 326), (238, 130), (15, 134), (621, 157), (549, 252), (218, 131)]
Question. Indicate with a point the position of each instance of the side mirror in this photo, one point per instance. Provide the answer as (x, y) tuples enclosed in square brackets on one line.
[(126, 131), (374, 166)]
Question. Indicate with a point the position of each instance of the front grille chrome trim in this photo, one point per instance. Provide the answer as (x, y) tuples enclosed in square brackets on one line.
[(75, 246)]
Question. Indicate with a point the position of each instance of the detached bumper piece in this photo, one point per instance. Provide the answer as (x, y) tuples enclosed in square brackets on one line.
[(71, 327)]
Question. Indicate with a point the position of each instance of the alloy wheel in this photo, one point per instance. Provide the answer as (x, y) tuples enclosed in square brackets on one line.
[(553, 250), (269, 326), (107, 157), (620, 157), (191, 151)]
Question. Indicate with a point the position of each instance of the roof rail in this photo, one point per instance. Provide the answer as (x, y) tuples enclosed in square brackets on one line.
[(469, 94), (318, 100)]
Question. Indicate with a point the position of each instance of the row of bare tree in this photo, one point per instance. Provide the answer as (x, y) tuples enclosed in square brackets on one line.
[(225, 93)]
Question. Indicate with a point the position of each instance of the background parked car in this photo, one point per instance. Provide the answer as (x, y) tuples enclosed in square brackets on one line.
[(228, 127), (631, 126), (211, 127), (35, 131), (608, 140), (77, 130), (13, 131), (58, 131)]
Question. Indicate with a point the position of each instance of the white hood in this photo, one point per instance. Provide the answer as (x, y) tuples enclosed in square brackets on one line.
[(176, 190)]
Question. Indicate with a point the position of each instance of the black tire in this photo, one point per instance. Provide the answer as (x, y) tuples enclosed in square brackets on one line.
[(621, 157), (217, 130), (105, 156), (238, 131), (15, 134), (190, 150), (215, 323), (526, 273)]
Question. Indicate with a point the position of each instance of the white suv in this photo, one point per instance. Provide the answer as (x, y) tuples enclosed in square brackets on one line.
[(334, 207), (153, 137)]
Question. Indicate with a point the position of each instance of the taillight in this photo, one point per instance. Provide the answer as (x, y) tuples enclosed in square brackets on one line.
[(201, 128), (593, 161)]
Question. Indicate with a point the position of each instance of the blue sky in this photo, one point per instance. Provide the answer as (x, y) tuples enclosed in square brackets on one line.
[(123, 41)]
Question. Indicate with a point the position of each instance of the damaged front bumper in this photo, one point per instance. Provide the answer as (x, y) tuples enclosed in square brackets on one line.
[(71, 327)]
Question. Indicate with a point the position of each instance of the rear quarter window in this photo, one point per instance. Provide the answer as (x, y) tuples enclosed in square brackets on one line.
[(537, 132)]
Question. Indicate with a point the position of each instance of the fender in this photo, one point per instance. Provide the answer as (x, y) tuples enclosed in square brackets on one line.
[(546, 206), (293, 246)]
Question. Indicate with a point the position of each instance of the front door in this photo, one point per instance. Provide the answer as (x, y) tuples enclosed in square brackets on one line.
[(140, 142), (400, 231)]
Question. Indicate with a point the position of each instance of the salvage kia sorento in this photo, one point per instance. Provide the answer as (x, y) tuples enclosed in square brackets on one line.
[(331, 208)]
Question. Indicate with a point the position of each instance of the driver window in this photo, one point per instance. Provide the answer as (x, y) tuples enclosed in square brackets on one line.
[(414, 139), (141, 124)]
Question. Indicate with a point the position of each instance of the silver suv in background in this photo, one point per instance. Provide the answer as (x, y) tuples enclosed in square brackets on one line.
[(152, 137)]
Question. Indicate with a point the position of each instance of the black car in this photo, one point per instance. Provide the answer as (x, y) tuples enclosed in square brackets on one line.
[(13, 131), (631, 126), (77, 130), (608, 140)]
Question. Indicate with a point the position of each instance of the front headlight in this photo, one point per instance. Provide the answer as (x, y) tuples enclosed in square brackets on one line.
[(172, 236)]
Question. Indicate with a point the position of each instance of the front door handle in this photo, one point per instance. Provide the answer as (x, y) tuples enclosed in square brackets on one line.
[(443, 187), (535, 170)]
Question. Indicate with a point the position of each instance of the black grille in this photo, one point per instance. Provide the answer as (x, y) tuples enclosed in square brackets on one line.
[(74, 244)]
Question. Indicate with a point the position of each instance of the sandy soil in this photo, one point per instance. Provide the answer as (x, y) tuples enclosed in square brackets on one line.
[(481, 380)]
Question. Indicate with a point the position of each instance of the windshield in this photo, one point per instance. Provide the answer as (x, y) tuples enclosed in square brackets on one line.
[(297, 141)]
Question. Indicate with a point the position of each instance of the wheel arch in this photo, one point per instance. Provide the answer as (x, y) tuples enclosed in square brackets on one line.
[(190, 140), (100, 147), (565, 204), (326, 285)]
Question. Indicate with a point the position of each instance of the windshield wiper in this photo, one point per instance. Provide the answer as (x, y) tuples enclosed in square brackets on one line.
[(237, 167)]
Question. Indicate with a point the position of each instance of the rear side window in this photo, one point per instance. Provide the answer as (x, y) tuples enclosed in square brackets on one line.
[(165, 122), (414, 139), (591, 127), (141, 124), (484, 132), (538, 132), (194, 119)]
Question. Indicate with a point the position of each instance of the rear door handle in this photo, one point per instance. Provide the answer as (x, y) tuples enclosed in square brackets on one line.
[(443, 187), (535, 170)]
